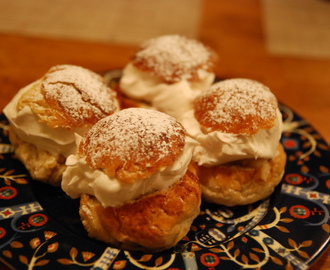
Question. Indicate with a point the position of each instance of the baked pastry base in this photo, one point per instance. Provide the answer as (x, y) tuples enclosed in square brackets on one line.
[(41, 165), (244, 182), (150, 224)]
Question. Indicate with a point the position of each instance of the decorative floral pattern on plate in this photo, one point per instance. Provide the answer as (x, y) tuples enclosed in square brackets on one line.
[(40, 225)]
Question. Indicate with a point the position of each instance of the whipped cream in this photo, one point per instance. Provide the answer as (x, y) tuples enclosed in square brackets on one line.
[(79, 178), (28, 128), (218, 147), (173, 99)]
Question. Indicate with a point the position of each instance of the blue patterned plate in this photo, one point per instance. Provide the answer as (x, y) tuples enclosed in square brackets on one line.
[(40, 225)]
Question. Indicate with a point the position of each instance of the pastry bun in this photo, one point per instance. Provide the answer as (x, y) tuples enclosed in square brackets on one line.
[(167, 73), (238, 126), (45, 115), (139, 189), (150, 224)]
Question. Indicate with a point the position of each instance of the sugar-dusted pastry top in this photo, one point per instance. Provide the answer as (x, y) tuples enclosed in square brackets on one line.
[(66, 100), (233, 120), (127, 155), (133, 143), (70, 96), (174, 58), (238, 106)]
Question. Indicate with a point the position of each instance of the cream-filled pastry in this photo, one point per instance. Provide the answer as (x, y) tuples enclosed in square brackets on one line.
[(45, 115), (238, 126), (139, 189), (168, 72)]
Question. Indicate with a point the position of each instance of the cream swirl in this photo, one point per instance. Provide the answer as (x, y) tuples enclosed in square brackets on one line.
[(218, 147), (171, 98), (79, 178)]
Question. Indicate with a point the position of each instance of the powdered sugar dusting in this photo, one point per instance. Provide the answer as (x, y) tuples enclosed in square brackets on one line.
[(173, 57), (234, 101), (135, 135), (81, 93)]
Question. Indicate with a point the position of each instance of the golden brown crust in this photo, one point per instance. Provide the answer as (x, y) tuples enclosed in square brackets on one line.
[(133, 143), (70, 96), (174, 58), (34, 99), (41, 165), (242, 182), (152, 223), (238, 106)]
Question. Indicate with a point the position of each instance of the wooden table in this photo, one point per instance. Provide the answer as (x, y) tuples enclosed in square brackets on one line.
[(232, 28)]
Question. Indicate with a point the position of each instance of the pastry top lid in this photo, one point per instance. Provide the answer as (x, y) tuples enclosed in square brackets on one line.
[(76, 96), (133, 143), (174, 58), (238, 106)]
